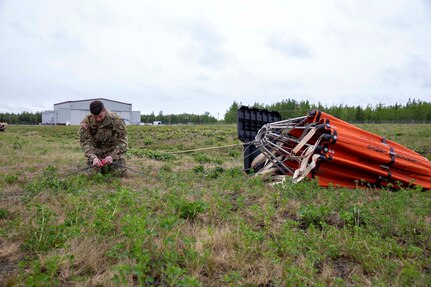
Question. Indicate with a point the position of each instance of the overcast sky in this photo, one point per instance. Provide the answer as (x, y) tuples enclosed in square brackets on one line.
[(200, 56)]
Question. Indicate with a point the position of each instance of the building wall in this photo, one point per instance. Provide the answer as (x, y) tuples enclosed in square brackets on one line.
[(76, 116), (72, 112), (136, 118), (48, 118), (63, 116), (85, 105)]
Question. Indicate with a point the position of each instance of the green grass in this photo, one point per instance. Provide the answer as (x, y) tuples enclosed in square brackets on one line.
[(196, 219)]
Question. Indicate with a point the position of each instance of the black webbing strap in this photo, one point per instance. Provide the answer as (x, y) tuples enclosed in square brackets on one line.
[(387, 166)]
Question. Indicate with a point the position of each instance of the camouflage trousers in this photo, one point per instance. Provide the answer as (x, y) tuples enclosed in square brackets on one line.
[(117, 168)]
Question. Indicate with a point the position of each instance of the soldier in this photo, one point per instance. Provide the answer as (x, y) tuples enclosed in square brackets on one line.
[(103, 139)]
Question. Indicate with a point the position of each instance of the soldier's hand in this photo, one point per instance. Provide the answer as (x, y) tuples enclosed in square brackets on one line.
[(97, 162), (108, 159)]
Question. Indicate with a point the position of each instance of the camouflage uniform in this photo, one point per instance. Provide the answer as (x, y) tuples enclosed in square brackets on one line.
[(105, 138)]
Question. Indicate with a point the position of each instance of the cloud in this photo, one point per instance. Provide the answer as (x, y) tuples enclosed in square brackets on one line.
[(66, 43), (21, 30), (415, 70), (290, 48), (165, 55), (420, 71), (204, 45), (427, 5)]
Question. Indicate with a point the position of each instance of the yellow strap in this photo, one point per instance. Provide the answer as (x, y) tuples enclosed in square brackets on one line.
[(304, 140), (305, 168)]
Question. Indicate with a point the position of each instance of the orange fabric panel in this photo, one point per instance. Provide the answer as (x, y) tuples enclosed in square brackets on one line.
[(355, 155)]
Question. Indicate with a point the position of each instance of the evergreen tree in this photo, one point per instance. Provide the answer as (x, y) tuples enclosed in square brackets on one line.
[(231, 114), (414, 110)]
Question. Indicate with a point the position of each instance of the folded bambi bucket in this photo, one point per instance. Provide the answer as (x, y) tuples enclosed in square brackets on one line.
[(336, 153)]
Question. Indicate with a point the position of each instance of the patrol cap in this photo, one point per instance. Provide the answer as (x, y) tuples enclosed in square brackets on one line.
[(96, 107)]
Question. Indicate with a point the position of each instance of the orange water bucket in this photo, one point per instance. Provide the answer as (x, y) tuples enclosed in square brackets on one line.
[(337, 153)]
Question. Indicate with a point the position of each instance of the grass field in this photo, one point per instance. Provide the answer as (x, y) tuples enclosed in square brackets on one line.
[(196, 219)]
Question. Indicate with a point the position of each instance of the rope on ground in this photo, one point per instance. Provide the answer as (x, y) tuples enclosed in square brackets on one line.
[(205, 148), (74, 171)]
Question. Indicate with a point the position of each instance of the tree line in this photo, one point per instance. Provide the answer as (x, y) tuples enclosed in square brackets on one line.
[(27, 118), (412, 111), (24, 118), (173, 119)]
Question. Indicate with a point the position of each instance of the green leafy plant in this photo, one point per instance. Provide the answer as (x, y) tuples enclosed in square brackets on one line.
[(153, 154), (184, 223), (190, 209)]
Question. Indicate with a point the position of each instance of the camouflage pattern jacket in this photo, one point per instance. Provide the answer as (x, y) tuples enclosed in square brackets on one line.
[(101, 139)]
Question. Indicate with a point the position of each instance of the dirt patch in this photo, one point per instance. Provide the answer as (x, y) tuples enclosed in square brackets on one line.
[(335, 220), (9, 256), (342, 267), (7, 270)]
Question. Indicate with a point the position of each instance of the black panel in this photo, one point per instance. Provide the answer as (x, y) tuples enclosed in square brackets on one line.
[(250, 120)]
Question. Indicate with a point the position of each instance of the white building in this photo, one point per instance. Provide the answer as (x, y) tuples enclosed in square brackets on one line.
[(72, 112)]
